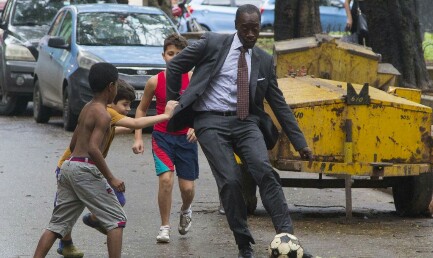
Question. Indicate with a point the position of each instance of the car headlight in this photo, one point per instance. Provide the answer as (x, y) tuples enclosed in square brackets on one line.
[(18, 53), (86, 60)]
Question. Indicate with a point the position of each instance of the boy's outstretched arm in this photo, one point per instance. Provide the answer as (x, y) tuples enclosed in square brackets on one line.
[(141, 122), (122, 130), (146, 99)]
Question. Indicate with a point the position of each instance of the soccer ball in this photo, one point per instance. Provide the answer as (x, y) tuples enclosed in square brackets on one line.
[(285, 245)]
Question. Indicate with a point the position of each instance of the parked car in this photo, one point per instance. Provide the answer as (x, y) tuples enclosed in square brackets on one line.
[(129, 37), (332, 15), (22, 24), (217, 15)]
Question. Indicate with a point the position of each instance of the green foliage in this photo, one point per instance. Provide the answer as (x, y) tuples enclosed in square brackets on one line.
[(427, 46), (266, 44)]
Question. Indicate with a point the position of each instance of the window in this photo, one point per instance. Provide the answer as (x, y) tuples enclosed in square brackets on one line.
[(66, 29), (56, 24), (6, 11), (335, 3), (253, 2), (123, 29), (37, 12), (217, 2)]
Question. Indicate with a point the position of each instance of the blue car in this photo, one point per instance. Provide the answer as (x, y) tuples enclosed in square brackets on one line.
[(217, 15), (332, 15), (129, 37)]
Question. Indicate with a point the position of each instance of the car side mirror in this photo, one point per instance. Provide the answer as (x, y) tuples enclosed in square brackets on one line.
[(58, 42)]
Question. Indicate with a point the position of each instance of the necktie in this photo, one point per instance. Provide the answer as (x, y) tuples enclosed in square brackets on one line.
[(243, 88)]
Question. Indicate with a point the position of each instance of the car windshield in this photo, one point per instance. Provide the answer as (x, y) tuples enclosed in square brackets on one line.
[(35, 12), (123, 29)]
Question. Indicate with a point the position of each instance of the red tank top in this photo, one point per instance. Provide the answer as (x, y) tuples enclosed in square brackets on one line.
[(160, 94)]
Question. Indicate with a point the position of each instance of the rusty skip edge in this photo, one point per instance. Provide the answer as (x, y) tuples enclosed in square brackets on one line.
[(355, 169)]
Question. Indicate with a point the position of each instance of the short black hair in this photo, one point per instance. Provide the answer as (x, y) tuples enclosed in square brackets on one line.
[(124, 92), (247, 8), (176, 40), (101, 75)]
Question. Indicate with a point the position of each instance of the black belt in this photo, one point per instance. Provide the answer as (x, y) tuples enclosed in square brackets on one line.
[(218, 113)]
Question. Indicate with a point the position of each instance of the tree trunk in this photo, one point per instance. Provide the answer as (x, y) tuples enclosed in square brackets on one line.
[(296, 19), (394, 32), (425, 13), (164, 5)]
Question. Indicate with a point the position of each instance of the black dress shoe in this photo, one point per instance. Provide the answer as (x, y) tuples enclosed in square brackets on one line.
[(246, 252)]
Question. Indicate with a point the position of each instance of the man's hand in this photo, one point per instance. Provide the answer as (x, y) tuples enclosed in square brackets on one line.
[(169, 108), (190, 135), (349, 23), (306, 153), (138, 147), (117, 184)]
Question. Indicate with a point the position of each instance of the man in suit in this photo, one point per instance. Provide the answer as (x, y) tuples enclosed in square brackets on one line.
[(212, 105)]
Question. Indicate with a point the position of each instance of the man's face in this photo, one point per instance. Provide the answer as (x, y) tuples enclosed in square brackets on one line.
[(248, 27)]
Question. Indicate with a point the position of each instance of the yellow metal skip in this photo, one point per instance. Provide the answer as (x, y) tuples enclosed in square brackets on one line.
[(354, 130), (325, 57), (353, 169), (410, 94), (389, 130)]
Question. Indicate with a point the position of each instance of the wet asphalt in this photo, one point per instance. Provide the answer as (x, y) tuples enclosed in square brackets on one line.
[(28, 157)]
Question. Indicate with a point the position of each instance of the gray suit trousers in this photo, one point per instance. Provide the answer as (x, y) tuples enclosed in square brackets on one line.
[(220, 137)]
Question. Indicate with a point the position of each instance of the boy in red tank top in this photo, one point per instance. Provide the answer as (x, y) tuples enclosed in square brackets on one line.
[(172, 151)]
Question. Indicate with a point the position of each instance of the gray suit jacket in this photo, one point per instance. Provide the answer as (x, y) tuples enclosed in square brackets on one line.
[(207, 56)]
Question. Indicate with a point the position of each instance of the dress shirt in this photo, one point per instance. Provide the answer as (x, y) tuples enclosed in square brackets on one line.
[(221, 94)]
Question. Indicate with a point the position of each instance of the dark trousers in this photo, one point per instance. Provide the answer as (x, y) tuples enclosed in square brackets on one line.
[(219, 138), (354, 29)]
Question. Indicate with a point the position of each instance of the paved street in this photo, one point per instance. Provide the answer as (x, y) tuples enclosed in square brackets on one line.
[(28, 157)]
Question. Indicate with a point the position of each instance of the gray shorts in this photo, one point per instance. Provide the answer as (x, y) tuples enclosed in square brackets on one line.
[(80, 185)]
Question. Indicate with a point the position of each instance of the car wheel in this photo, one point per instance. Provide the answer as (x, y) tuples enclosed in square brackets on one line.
[(204, 27), (11, 105), (413, 194), (41, 113), (69, 118)]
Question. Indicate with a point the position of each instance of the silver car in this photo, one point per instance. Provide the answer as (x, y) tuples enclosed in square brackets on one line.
[(129, 37), (22, 24)]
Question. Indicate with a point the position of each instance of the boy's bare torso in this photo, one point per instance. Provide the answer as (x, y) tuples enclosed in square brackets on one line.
[(92, 129)]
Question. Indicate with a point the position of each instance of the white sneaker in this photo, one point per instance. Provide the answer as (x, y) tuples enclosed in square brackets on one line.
[(185, 222), (164, 235)]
